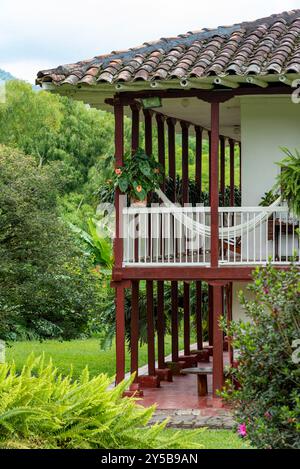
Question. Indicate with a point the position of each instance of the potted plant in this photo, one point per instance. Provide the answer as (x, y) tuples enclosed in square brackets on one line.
[(140, 175), (289, 180)]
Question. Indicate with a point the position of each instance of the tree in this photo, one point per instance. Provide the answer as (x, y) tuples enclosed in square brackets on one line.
[(47, 286), (268, 399)]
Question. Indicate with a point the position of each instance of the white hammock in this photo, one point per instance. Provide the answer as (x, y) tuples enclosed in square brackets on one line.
[(224, 232)]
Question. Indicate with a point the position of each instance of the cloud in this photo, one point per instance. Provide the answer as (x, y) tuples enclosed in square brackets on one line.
[(36, 35)]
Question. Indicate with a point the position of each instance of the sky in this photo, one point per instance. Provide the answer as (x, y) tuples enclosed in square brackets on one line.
[(37, 35)]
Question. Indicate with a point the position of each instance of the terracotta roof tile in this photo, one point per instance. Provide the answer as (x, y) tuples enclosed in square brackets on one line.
[(268, 45)]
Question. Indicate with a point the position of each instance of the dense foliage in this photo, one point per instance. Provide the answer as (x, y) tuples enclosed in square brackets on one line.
[(289, 179), (47, 286), (40, 408), (268, 401)]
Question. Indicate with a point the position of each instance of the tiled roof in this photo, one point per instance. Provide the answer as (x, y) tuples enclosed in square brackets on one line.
[(267, 46)]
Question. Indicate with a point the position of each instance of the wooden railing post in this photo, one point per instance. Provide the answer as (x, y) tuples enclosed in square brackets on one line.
[(222, 169)]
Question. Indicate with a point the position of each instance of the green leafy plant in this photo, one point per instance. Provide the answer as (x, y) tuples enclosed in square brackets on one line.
[(41, 408), (268, 399), (289, 179), (140, 175), (268, 198), (99, 248)]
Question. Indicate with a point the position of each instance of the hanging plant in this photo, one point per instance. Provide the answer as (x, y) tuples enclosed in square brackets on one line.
[(288, 180), (140, 175)]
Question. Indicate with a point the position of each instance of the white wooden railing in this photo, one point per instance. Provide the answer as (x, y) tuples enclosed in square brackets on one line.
[(261, 238), (153, 236), (159, 236)]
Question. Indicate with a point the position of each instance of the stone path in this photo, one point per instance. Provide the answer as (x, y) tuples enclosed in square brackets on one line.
[(196, 418)]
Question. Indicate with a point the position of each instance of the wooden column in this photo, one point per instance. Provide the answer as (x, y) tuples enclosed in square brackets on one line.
[(240, 150), (214, 193), (135, 124), (199, 315), (174, 320), (231, 149), (120, 332), (209, 166), (185, 200), (118, 247), (229, 318), (160, 325), (150, 329), (174, 285), (198, 170), (134, 339), (148, 131), (160, 284), (222, 169), (210, 315), (171, 151), (218, 372)]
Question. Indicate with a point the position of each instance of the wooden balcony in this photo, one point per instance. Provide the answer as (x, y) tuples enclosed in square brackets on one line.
[(180, 237)]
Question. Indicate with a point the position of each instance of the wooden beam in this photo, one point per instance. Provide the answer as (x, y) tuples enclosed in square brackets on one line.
[(161, 141), (257, 82), (240, 155), (134, 329), (120, 333), (218, 371), (214, 193), (210, 315), (150, 329), (226, 82)]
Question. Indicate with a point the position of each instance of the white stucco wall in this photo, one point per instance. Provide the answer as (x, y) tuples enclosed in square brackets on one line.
[(267, 123), (238, 312)]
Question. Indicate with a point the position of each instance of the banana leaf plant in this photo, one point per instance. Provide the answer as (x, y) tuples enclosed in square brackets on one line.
[(289, 180), (99, 248)]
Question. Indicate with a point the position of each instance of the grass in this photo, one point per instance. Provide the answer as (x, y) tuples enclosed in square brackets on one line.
[(217, 439), (77, 354)]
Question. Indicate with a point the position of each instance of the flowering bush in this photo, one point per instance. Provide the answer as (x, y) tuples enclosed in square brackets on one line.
[(140, 175), (268, 400)]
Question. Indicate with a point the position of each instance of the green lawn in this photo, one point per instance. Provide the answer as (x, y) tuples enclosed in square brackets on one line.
[(76, 353), (217, 439)]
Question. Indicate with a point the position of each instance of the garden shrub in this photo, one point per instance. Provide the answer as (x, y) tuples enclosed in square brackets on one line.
[(268, 401), (41, 408)]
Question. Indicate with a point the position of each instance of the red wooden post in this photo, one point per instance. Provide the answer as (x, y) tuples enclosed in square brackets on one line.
[(118, 247), (222, 169), (135, 123), (209, 165), (120, 332), (185, 200), (186, 318), (231, 146), (148, 131), (135, 328), (150, 329), (171, 151), (214, 193), (160, 284), (174, 321), (218, 372), (210, 315), (160, 325), (240, 150), (199, 315), (198, 170)]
